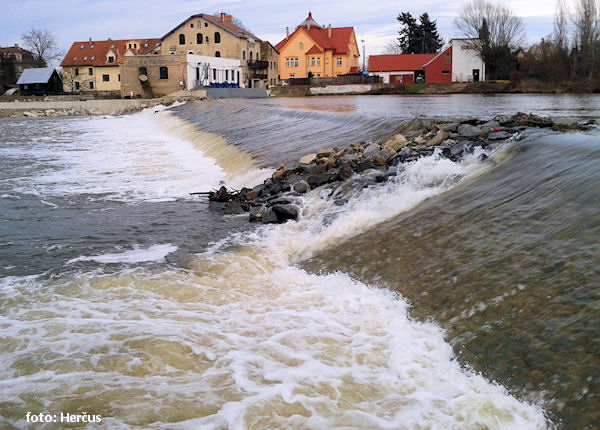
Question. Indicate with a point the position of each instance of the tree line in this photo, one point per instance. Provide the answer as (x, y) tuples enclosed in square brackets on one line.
[(571, 52)]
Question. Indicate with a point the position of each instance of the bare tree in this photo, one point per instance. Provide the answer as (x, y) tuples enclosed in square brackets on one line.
[(392, 48), (234, 21), (561, 36), (496, 32), (42, 44), (585, 18)]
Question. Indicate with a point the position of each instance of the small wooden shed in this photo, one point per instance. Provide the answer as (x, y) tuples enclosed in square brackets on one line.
[(39, 82)]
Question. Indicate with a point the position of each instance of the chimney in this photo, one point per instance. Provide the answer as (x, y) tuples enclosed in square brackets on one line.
[(329, 31), (287, 33), (222, 17), (16, 45)]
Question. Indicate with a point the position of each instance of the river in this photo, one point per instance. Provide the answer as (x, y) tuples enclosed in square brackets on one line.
[(455, 295)]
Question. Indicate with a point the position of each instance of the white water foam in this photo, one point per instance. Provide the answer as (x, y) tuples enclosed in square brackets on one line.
[(244, 339), (155, 253), (124, 158)]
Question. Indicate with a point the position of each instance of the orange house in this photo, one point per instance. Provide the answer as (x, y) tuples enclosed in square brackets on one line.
[(326, 52)]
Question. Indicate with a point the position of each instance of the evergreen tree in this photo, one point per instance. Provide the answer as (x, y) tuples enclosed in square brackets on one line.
[(431, 41), (409, 34), (418, 37)]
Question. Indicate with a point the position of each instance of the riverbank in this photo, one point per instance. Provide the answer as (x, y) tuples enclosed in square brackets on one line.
[(487, 87), (276, 199), (73, 107)]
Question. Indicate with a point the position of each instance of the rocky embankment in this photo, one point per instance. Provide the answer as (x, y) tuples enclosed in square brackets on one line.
[(276, 200)]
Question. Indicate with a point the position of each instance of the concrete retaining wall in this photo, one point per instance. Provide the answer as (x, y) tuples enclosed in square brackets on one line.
[(340, 89), (236, 93)]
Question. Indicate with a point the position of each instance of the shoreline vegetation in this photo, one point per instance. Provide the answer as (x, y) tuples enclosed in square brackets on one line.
[(364, 164)]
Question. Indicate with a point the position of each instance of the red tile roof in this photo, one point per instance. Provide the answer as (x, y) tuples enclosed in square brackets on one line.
[(93, 53), (340, 38), (27, 57), (314, 50), (397, 63)]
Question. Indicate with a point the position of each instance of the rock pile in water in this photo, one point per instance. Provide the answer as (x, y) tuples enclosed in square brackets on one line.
[(274, 201)]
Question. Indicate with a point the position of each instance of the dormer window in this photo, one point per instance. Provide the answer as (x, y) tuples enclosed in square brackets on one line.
[(145, 45), (85, 58), (75, 59), (81, 47), (92, 46), (92, 58), (112, 46), (111, 59), (130, 46)]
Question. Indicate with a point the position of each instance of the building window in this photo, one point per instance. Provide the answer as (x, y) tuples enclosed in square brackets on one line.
[(217, 54), (164, 73), (105, 78), (258, 56), (90, 71), (206, 24), (287, 62), (296, 62), (250, 55), (318, 75), (217, 37), (91, 85), (448, 58), (119, 77), (143, 71), (76, 85), (199, 39), (226, 75), (111, 59), (244, 54), (291, 75), (318, 61), (339, 61), (301, 46), (206, 39), (312, 61), (182, 39), (445, 72), (214, 74), (130, 46), (77, 71), (192, 24)]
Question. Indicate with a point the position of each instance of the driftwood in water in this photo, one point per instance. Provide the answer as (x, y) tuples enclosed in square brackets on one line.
[(222, 195)]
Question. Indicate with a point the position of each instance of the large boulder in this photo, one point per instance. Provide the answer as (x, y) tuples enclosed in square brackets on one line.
[(467, 130), (499, 135), (326, 152), (450, 127), (440, 136), (376, 154), (285, 212), (395, 143), (308, 159), (301, 187), (269, 217)]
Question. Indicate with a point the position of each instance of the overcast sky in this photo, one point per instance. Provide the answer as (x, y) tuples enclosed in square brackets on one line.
[(375, 22)]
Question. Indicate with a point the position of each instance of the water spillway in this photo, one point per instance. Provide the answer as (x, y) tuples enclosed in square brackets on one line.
[(446, 297)]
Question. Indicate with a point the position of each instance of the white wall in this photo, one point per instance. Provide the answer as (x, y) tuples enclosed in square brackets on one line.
[(212, 70), (464, 60), (386, 75)]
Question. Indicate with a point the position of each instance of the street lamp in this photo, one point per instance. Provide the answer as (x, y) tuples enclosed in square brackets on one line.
[(363, 44)]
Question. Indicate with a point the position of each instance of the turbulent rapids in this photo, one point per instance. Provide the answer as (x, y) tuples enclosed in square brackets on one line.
[(126, 297)]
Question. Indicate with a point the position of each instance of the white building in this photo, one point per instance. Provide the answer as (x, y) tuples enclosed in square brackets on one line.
[(203, 71), (467, 66)]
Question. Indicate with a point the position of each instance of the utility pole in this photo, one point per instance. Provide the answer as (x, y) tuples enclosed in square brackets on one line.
[(364, 58)]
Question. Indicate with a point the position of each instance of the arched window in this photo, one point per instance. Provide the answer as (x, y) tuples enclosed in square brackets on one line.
[(182, 39), (243, 54), (217, 37), (250, 55), (257, 56), (199, 39), (217, 54)]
